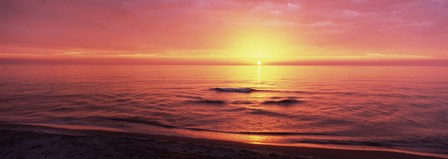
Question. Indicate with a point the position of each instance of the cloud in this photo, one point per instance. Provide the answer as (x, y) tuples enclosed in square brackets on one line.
[(183, 28)]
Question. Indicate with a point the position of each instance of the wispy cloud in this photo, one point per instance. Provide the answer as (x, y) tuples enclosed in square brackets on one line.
[(393, 28)]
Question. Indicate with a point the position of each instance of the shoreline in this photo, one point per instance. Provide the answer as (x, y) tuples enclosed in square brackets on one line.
[(50, 142)]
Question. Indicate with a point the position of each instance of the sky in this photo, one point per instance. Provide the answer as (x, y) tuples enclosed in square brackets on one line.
[(292, 32)]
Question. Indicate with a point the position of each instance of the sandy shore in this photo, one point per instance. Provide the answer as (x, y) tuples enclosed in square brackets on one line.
[(37, 142)]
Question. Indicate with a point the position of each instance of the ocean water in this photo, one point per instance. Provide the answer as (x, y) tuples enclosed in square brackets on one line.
[(403, 108)]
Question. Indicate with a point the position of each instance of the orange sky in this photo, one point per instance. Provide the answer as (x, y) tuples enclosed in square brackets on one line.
[(224, 32)]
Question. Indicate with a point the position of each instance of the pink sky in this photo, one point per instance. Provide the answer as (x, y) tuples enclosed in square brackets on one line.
[(224, 32)]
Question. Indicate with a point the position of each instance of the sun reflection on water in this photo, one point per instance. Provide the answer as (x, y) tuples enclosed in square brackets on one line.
[(256, 139), (259, 74)]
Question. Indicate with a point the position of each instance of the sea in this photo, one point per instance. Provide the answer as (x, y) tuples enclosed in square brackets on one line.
[(386, 107)]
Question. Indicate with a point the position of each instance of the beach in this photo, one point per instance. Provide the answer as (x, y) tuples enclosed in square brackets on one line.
[(39, 142)]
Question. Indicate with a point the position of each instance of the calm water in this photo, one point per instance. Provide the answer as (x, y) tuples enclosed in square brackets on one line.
[(393, 107)]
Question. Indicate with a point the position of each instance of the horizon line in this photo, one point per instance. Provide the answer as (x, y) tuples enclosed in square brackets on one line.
[(124, 61)]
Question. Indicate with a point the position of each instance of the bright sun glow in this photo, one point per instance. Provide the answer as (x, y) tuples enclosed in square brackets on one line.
[(259, 62), (261, 43)]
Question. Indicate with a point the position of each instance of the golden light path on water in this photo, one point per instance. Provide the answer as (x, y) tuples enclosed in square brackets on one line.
[(259, 73)]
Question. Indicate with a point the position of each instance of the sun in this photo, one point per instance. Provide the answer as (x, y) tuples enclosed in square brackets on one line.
[(258, 62)]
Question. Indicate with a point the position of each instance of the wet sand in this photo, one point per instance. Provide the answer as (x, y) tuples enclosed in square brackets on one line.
[(38, 142)]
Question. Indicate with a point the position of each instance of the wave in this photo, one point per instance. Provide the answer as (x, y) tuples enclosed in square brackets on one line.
[(208, 101), (438, 147), (271, 133), (189, 96), (273, 101), (140, 120), (266, 113), (343, 142), (242, 102), (252, 90), (234, 90), (284, 102)]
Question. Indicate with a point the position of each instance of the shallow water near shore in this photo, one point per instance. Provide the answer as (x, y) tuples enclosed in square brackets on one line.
[(402, 108)]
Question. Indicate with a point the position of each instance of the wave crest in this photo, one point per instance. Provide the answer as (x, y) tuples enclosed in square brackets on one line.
[(208, 101), (234, 90), (285, 102)]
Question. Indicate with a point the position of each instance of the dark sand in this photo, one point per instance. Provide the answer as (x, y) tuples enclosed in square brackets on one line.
[(37, 142)]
